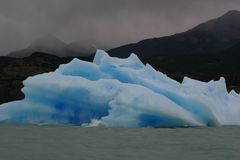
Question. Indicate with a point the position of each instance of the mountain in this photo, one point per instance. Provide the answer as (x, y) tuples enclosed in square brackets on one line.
[(207, 38), (52, 45)]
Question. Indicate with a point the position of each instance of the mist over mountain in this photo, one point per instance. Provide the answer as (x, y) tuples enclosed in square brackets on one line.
[(52, 45), (211, 37), (86, 50), (207, 38)]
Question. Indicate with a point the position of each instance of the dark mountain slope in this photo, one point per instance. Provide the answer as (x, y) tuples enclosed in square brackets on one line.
[(234, 50), (207, 38)]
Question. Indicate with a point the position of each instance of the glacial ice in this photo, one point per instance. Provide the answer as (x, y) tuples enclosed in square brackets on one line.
[(121, 93)]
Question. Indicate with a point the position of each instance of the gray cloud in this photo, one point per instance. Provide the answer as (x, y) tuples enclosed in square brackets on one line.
[(107, 23)]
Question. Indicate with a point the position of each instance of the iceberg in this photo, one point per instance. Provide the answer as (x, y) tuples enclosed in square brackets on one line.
[(115, 92)]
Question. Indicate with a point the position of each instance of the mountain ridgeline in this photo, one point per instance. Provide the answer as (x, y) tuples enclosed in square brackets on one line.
[(208, 51), (211, 37), (52, 45)]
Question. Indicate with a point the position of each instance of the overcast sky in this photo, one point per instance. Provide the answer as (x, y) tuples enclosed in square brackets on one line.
[(107, 23)]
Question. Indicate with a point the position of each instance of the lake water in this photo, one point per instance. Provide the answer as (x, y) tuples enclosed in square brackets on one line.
[(78, 143)]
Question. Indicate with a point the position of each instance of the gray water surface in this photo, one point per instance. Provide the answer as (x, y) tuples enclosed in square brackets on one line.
[(78, 143)]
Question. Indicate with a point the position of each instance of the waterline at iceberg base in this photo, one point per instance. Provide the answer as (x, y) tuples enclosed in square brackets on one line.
[(117, 92)]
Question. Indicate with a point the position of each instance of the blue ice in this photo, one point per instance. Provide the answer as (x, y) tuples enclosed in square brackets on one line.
[(117, 92)]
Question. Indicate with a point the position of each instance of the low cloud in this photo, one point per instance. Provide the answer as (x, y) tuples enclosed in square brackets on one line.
[(107, 23)]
